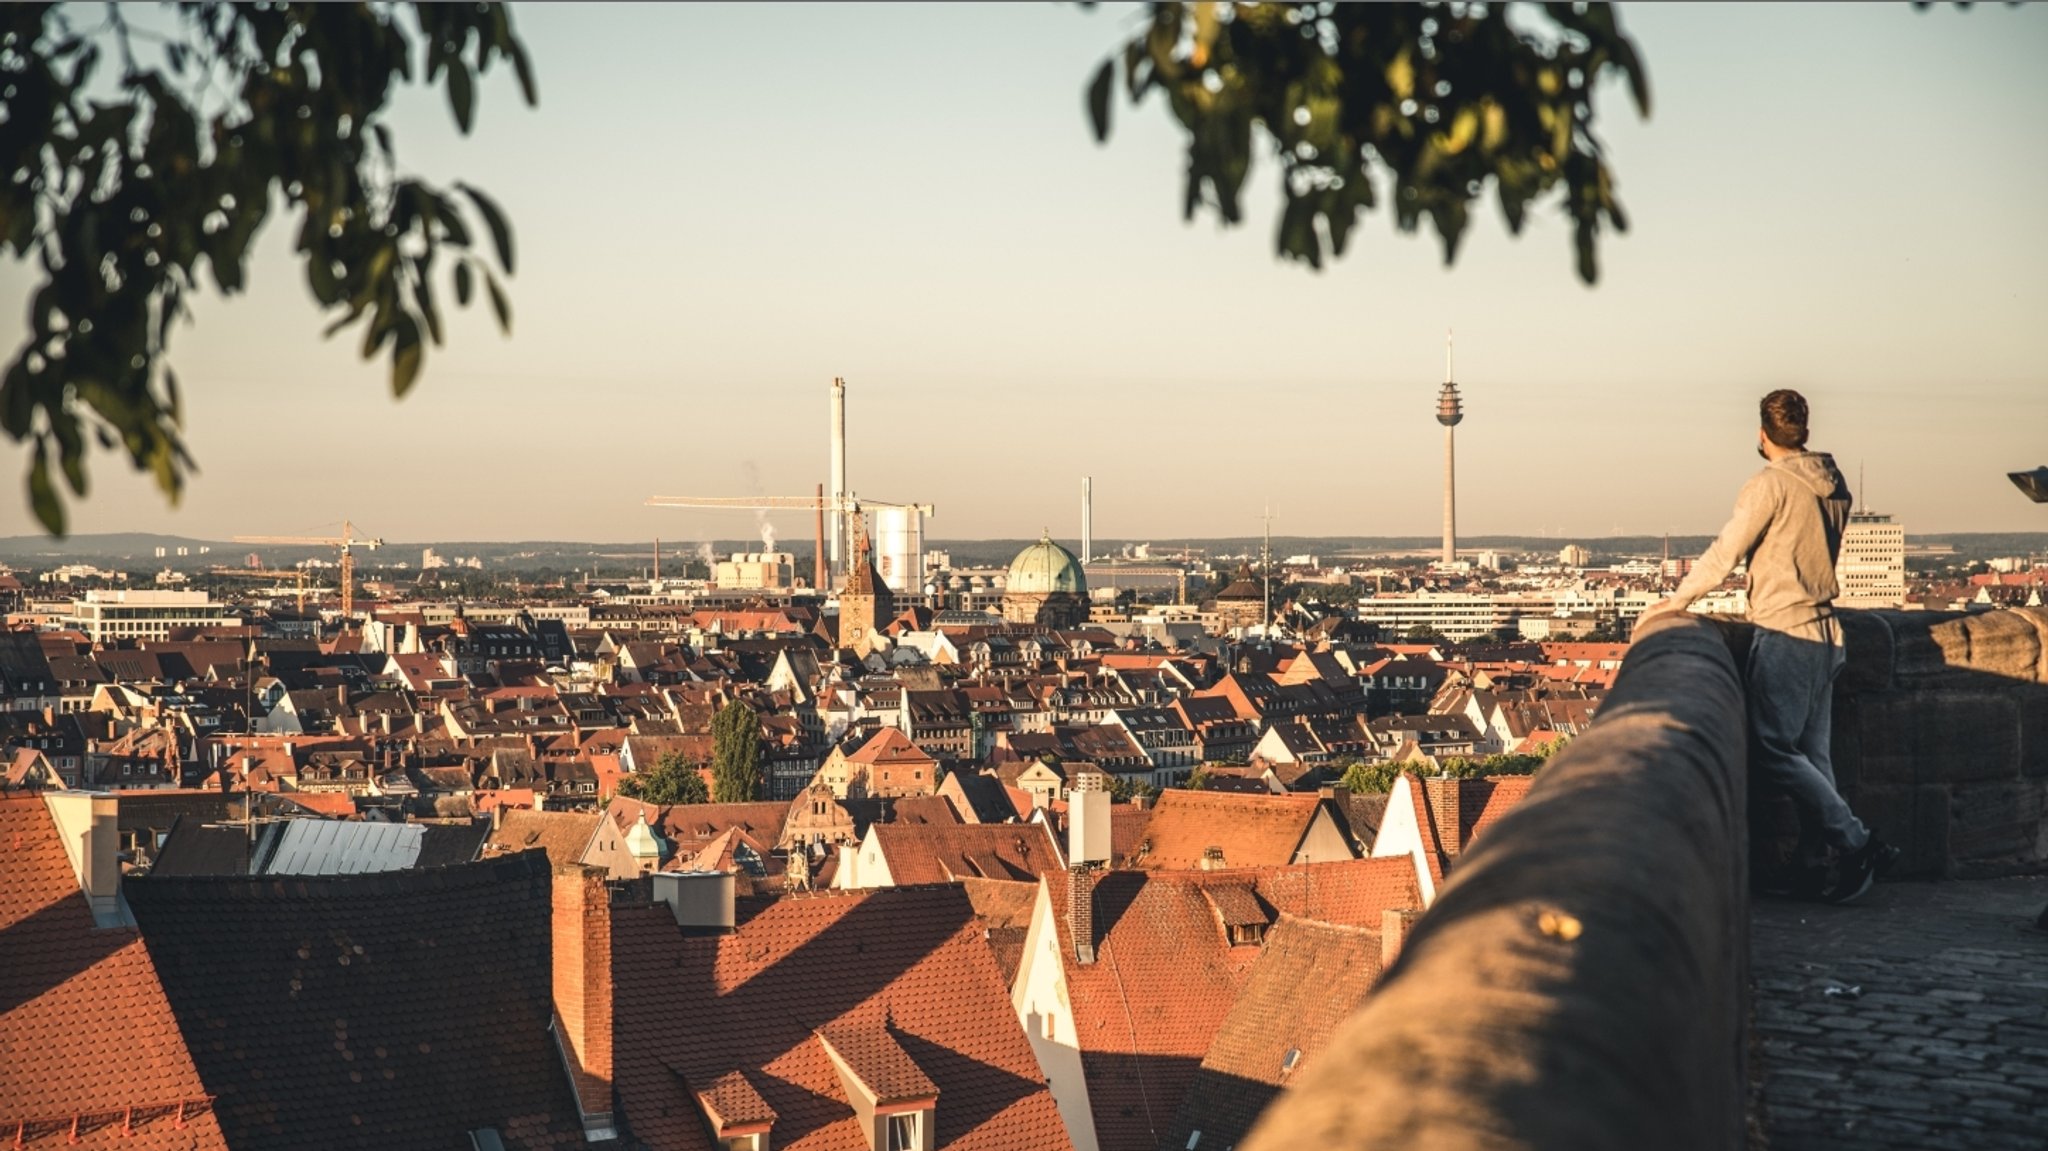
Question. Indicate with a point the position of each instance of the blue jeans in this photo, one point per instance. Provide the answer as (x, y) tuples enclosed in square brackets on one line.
[(1791, 682)]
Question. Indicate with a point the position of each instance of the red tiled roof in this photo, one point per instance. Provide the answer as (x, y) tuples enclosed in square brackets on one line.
[(86, 1032), (910, 961), (564, 835), (942, 853), (1148, 1010), (877, 1060), (1252, 830), (1309, 977), (889, 747), (400, 1009)]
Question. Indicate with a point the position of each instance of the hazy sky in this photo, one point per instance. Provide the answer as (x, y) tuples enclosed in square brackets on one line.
[(720, 209)]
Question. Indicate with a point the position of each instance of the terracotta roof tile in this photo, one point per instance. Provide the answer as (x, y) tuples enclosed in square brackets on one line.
[(399, 1009), (1252, 830), (943, 853), (61, 983), (1309, 977), (564, 835), (1166, 975), (692, 1009)]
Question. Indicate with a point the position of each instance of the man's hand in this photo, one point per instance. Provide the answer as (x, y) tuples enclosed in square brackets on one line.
[(1663, 607)]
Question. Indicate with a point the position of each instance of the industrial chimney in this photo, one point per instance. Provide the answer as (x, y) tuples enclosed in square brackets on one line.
[(1087, 851), (838, 475), (1087, 518)]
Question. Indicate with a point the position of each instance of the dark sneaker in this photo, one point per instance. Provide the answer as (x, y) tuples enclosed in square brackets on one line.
[(1859, 869)]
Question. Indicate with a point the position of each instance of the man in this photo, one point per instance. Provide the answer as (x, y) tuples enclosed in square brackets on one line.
[(1788, 526)]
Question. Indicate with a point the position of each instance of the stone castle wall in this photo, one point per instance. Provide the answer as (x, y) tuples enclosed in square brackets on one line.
[(1941, 737)]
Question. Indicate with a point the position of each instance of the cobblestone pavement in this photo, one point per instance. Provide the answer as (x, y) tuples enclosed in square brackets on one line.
[(1944, 1046)]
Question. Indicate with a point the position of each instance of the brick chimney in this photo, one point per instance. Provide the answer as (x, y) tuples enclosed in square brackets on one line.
[(583, 990), (1081, 911), (1442, 793), (1395, 924)]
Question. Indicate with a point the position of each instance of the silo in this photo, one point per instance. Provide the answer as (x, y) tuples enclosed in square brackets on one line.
[(899, 549)]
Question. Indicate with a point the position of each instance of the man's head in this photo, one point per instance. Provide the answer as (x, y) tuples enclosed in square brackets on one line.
[(1783, 430)]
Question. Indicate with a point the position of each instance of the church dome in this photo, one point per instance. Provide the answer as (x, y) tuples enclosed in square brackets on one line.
[(1046, 568)]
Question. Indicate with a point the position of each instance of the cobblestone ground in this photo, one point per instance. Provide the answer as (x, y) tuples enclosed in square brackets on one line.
[(1944, 1046)]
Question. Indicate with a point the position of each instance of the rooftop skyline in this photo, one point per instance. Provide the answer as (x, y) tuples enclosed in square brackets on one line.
[(1828, 198)]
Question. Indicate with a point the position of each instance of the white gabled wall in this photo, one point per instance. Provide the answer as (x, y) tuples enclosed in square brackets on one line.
[(1400, 835), (1040, 998)]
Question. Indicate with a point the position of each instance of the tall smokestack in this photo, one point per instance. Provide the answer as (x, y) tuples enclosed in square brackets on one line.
[(1087, 518), (1450, 411), (838, 475), (657, 559), (820, 580)]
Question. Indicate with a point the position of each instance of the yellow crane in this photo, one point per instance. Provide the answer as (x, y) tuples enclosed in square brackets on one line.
[(849, 505), (347, 541)]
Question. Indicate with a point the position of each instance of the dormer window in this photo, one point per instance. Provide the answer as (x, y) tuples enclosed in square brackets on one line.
[(906, 1131)]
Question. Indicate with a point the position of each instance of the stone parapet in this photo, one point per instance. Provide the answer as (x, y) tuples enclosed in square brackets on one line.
[(1579, 983), (1941, 738)]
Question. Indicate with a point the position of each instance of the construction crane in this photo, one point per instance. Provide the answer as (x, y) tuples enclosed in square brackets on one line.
[(296, 575), (850, 505), (347, 541)]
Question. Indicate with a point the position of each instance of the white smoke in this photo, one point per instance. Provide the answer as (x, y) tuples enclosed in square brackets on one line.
[(767, 532)]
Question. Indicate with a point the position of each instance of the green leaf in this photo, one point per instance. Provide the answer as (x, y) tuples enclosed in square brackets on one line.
[(523, 67), (499, 303), (405, 355), (494, 219), (1098, 99), (42, 494), (461, 94)]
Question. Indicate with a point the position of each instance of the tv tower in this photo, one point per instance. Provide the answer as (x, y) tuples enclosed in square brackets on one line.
[(1450, 412)]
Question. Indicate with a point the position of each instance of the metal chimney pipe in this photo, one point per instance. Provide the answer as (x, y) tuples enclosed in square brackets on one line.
[(1087, 518), (838, 475)]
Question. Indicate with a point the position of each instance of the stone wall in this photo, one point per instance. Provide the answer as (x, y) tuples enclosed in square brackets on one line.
[(1579, 982), (1941, 737)]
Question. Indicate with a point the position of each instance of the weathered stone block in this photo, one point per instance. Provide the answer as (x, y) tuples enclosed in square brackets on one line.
[(1939, 648), (1937, 737), (1915, 819), (1997, 822), (1867, 642), (1926, 645)]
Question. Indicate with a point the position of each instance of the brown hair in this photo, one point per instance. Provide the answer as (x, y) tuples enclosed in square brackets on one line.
[(1784, 418)]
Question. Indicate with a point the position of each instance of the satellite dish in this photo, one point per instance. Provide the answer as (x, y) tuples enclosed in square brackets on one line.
[(2034, 483)]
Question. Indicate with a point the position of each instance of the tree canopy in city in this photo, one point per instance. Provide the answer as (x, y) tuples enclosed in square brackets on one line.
[(1434, 101), (133, 156), (735, 754), (672, 780)]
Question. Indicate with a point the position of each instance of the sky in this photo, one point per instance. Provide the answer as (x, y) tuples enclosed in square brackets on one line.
[(719, 209)]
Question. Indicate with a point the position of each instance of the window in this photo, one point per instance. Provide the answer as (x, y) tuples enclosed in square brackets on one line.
[(905, 1131)]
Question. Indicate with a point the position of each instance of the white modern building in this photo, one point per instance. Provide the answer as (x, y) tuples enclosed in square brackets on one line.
[(106, 616), (1872, 567)]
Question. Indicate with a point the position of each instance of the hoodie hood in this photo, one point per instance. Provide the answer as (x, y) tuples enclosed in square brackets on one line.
[(1817, 472)]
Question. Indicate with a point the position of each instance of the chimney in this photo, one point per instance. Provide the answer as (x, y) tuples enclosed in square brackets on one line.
[(583, 990), (1442, 793), (1081, 911), (1395, 924), (701, 901), (1087, 821), (88, 823)]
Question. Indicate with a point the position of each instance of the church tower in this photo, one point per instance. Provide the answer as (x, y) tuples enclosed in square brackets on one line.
[(865, 603)]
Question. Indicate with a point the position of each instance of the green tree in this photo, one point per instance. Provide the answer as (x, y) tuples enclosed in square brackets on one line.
[(735, 754), (1435, 101), (672, 780), (1198, 779), (1423, 633), (1124, 789), (1370, 778), (125, 182)]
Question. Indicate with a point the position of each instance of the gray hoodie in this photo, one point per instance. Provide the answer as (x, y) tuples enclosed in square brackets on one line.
[(1788, 524)]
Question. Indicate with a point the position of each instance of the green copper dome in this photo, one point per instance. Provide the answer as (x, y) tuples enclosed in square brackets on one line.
[(1046, 567)]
